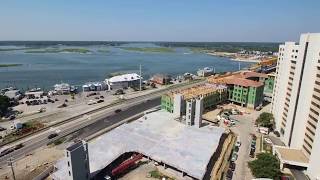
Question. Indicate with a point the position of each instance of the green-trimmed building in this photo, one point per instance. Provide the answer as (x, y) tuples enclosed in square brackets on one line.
[(269, 84), (250, 96), (212, 95), (244, 88)]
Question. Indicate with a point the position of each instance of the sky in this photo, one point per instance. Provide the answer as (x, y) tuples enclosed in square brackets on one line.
[(159, 20)]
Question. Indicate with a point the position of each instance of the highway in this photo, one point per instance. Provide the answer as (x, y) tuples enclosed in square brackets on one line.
[(89, 123), (85, 128)]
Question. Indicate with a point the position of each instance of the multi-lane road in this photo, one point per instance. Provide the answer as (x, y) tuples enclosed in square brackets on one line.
[(84, 127), (90, 123)]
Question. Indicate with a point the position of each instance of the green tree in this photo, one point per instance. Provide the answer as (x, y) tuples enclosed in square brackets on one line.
[(4, 104), (265, 166), (265, 119)]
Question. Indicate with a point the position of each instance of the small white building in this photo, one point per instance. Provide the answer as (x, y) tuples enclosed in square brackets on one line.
[(123, 81), (13, 94), (94, 86), (34, 94), (62, 88)]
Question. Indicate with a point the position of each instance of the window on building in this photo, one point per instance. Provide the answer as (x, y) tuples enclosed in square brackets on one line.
[(69, 173), (68, 164)]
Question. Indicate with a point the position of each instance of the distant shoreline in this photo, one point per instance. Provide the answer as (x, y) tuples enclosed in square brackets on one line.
[(232, 57), (9, 65)]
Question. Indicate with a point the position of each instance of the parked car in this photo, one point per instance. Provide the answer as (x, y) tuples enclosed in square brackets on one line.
[(12, 117), (267, 140), (238, 143), (276, 133), (229, 174), (234, 157), (102, 97), (117, 110), (252, 151), (232, 166), (100, 101), (91, 102), (53, 135), (3, 129)]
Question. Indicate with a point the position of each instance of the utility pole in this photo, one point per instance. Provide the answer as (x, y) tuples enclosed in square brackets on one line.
[(140, 77), (10, 164)]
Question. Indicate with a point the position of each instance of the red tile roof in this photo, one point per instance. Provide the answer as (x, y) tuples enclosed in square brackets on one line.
[(243, 82), (249, 74)]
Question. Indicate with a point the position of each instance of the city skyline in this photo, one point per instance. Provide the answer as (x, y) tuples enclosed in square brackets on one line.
[(208, 21)]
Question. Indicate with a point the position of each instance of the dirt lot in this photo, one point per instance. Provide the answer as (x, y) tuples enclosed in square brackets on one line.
[(33, 164)]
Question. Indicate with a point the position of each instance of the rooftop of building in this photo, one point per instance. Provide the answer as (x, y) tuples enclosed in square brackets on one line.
[(238, 78), (160, 137), (93, 84), (124, 77), (198, 90), (62, 85), (249, 74), (293, 156), (75, 146)]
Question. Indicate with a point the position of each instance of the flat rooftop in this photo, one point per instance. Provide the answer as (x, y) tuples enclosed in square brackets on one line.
[(160, 137), (291, 156)]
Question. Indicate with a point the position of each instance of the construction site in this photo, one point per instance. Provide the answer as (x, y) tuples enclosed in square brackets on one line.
[(157, 139)]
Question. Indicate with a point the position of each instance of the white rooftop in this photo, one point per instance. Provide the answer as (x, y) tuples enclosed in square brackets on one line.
[(125, 77), (161, 138)]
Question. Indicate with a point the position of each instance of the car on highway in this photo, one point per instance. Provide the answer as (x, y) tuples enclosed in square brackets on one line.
[(53, 135), (18, 146), (6, 151), (117, 110)]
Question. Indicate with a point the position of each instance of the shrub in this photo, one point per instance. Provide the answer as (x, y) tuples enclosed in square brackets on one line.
[(265, 166)]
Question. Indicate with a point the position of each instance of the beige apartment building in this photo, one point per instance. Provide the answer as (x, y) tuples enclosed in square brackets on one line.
[(296, 104)]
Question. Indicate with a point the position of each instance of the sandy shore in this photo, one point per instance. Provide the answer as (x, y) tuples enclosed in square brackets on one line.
[(233, 57)]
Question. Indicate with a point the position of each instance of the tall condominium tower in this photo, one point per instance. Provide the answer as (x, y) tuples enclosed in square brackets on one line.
[(296, 104)]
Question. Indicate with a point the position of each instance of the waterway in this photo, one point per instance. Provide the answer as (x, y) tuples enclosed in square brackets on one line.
[(46, 69)]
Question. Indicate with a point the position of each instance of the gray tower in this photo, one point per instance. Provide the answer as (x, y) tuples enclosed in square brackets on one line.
[(78, 161), (198, 112), (190, 112)]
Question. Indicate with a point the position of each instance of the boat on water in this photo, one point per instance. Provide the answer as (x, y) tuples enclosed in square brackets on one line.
[(206, 71)]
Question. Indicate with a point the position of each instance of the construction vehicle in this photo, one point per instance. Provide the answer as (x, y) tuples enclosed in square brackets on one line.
[(126, 164)]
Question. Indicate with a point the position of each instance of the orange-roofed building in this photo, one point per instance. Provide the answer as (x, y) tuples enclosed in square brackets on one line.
[(244, 88)]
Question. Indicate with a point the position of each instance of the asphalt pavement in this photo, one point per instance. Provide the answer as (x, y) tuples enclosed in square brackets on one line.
[(86, 128)]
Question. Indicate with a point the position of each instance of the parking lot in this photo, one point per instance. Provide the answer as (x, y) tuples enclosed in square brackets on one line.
[(243, 127)]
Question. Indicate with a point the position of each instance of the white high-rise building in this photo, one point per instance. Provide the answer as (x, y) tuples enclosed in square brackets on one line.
[(296, 104)]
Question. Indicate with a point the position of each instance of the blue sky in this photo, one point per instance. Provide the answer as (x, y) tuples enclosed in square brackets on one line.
[(159, 20)]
